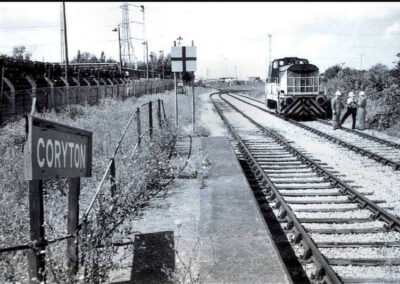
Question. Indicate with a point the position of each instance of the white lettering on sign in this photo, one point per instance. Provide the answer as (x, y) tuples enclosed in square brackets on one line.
[(40, 162), (52, 156)]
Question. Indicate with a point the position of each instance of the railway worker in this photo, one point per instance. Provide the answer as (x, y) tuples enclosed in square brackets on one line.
[(351, 109), (336, 109), (362, 104)]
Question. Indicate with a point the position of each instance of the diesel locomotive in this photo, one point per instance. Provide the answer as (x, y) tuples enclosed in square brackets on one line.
[(293, 89)]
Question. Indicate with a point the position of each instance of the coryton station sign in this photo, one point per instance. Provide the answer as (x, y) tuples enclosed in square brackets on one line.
[(55, 150)]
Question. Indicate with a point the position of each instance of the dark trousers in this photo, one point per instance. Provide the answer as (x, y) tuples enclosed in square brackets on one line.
[(353, 112)]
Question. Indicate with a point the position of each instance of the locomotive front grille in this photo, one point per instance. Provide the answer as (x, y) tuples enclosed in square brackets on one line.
[(302, 85)]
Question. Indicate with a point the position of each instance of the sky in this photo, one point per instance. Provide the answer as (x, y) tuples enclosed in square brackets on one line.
[(231, 37)]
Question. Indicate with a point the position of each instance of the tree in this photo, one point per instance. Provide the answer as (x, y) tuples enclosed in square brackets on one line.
[(332, 71), (19, 52), (395, 72), (87, 57), (102, 57)]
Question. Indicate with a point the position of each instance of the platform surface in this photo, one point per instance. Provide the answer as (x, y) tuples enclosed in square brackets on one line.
[(219, 233)]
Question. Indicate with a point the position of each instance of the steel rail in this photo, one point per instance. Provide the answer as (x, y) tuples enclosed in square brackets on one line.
[(369, 154), (325, 272), (379, 213), (364, 135), (361, 134)]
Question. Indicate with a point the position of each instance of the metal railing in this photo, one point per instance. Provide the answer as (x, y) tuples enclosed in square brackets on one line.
[(109, 174)]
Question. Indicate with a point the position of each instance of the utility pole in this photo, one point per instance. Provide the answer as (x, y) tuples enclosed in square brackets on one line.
[(65, 41), (119, 46), (144, 29), (176, 96), (235, 73), (226, 66), (361, 61), (162, 62), (147, 60), (269, 52)]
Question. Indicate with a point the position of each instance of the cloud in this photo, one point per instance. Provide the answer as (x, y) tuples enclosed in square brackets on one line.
[(394, 28)]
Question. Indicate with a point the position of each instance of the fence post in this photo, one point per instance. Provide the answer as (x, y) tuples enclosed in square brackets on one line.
[(163, 109), (112, 87), (159, 113), (11, 98), (105, 87), (98, 88), (73, 221), (87, 96), (36, 256), (33, 93), (116, 80), (112, 177), (66, 93), (150, 119), (78, 95), (51, 99), (139, 130)]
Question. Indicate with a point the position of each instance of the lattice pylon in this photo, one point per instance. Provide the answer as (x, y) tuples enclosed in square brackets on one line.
[(127, 52)]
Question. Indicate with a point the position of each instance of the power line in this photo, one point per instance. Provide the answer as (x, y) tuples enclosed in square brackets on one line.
[(29, 27)]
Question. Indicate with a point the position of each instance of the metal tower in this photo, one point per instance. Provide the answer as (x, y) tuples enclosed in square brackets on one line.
[(127, 52)]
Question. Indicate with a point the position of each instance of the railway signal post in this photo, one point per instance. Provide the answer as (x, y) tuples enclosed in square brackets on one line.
[(184, 60)]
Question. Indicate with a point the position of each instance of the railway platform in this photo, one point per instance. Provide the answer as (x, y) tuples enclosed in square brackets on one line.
[(219, 235)]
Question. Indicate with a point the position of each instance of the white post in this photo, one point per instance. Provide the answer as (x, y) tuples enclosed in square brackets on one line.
[(176, 101), (193, 106)]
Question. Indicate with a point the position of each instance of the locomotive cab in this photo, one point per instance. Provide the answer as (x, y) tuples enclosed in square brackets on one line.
[(293, 88)]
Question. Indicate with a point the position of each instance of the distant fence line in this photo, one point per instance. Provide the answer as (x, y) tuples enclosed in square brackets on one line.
[(15, 102)]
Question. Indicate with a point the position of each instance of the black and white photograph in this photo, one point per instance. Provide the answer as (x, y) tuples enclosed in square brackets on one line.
[(199, 142)]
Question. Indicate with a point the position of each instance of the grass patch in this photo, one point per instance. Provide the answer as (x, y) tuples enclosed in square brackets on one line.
[(140, 177)]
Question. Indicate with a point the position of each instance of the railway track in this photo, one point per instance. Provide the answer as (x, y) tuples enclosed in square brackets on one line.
[(380, 150), (339, 235)]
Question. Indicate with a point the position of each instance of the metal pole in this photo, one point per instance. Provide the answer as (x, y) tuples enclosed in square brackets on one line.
[(144, 30), (147, 60), (139, 130), (361, 61), (120, 56), (176, 101), (66, 42), (269, 53), (2, 84), (150, 119), (193, 106), (162, 62), (235, 73)]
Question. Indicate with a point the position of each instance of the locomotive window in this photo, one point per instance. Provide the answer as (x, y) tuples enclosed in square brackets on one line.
[(275, 64), (281, 63)]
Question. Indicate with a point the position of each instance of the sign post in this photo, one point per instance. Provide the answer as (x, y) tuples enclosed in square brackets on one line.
[(193, 106), (54, 150), (36, 256), (183, 59)]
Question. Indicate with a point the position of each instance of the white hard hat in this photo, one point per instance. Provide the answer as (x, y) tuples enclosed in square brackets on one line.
[(362, 93), (351, 94), (338, 93)]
